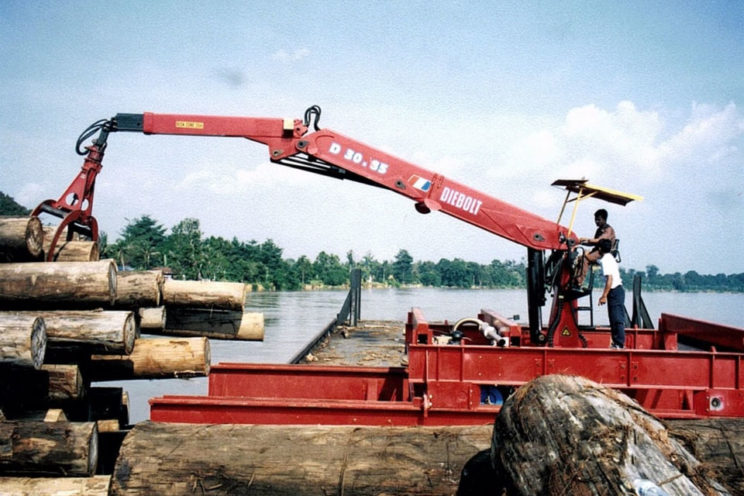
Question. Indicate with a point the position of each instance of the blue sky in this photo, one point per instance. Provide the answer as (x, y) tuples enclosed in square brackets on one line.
[(644, 97)]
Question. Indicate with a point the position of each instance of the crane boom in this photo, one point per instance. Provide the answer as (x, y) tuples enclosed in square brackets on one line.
[(327, 152), (332, 153)]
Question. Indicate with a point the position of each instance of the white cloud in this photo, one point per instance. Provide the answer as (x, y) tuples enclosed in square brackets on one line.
[(236, 180), (31, 195), (708, 137), (284, 56)]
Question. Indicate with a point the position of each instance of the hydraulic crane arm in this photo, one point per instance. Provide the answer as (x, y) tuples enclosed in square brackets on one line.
[(330, 153)]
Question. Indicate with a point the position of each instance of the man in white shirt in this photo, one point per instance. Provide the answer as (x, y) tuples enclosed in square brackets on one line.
[(613, 294)]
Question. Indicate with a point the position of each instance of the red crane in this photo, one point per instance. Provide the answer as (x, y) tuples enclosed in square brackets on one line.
[(442, 383), (327, 152)]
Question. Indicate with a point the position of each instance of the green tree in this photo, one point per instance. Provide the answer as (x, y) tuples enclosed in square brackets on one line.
[(141, 243), (184, 250), (328, 269), (403, 267), (427, 274), (303, 269), (8, 206), (454, 273), (217, 264), (277, 274)]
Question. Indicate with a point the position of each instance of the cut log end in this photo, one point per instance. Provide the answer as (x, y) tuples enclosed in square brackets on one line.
[(130, 333), (38, 342), (21, 239), (34, 237)]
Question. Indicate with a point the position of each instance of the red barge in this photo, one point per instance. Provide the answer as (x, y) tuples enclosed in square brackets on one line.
[(449, 384)]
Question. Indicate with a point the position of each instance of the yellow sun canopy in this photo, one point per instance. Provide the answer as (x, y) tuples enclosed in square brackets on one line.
[(584, 190)]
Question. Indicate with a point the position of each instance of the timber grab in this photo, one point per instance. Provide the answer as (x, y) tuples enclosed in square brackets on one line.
[(326, 152)]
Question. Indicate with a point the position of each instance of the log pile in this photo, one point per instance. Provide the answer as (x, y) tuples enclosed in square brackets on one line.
[(74, 322)]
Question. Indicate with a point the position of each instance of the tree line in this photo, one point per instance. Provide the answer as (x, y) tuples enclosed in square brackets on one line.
[(189, 254), (145, 244)]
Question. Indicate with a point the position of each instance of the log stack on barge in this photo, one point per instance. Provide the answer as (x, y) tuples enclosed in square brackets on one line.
[(68, 324)]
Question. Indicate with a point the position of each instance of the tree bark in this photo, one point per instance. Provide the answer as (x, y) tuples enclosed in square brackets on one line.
[(23, 340), (65, 382), (152, 319), (75, 251), (48, 448), (219, 324), (568, 435), (205, 294), (294, 460), (138, 288), (155, 358), (89, 331), (23, 390), (54, 285), (21, 239), (98, 485), (719, 444)]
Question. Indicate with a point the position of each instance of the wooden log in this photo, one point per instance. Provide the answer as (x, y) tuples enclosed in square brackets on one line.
[(154, 358), (25, 389), (21, 239), (138, 288), (90, 331), (206, 294), (152, 319), (97, 485), (109, 425), (568, 435), (294, 460), (65, 382), (54, 285), (48, 448), (23, 339), (55, 415), (218, 324), (719, 444), (76, 251)]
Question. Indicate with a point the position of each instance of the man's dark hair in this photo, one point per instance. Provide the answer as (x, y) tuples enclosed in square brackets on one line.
[(605, 245), (601, 213)]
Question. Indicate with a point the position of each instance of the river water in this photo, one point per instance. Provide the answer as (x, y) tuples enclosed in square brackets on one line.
[(292, 319)]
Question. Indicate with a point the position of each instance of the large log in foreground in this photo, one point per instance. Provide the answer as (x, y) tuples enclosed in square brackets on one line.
[(23, 339), (568, 435), (218, 324), (98, 485), (156, 358), (293, 460), (48, 448), (57, 285), (205, 294), (21, 239)]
